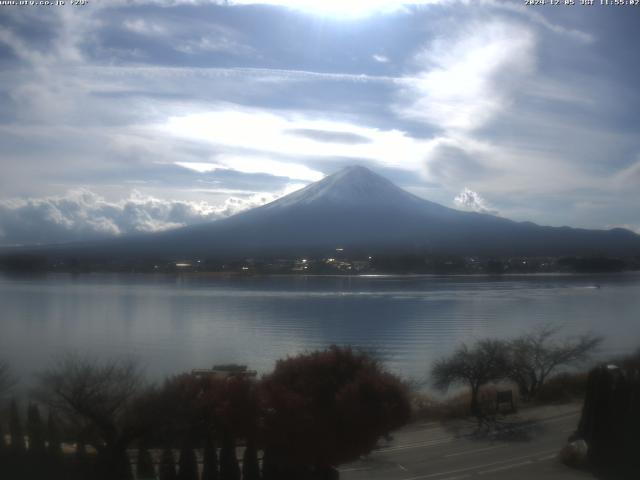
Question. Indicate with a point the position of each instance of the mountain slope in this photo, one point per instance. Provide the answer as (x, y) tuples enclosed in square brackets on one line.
[(360, 210)]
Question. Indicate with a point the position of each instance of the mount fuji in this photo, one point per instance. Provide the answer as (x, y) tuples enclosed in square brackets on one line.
[(357, 209)]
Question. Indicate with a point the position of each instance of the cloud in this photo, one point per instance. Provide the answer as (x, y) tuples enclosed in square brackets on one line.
[(144, 27), (470, 200), (486, 94), (198, 38), (463, 82), (626, 226), (628, 177), (535, 16), (336, 8), (213, 44), (468, 84), (452, 161), (329, 136), (83, 215), (269, 134), (263, 74), (255, 164)]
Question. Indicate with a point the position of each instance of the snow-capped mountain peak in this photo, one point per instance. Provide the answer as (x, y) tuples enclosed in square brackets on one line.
[(351, 186)]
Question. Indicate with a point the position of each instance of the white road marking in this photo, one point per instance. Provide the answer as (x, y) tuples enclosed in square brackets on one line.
[(548, 457), (428, 424), (354, 469), (530, 458), (474, 467), (505, 467), (403, 468), (409, 446), (474, 451), (559, 418)]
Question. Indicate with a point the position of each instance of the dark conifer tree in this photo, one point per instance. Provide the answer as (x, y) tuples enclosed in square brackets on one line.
[(15, 430), (35, 432), (54, 445), (80, 459), (3, 450), (210, 460), (36, 453), (187, 464), (117, 467), (15, 464), (229, 468), (250, 465), (81, 451), (145, 470), (167, 466), (269, 467), (54, 450)]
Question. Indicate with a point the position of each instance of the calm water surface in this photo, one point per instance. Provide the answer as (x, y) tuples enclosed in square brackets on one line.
[(177, 323)]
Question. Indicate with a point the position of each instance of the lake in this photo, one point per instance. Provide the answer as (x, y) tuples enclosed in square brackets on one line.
[(176, 323)]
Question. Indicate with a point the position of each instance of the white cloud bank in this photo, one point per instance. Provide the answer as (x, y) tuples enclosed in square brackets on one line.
[(82, 215), (470, 200)]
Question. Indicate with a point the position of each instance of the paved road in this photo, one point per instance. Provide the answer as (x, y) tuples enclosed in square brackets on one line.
[(522, 446)]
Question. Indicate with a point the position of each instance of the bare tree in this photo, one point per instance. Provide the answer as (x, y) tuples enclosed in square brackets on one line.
[(484, 362), (98, 397), (536, 355)]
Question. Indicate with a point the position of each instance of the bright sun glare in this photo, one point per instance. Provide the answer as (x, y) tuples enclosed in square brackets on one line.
[(348, 8), (338, 8)]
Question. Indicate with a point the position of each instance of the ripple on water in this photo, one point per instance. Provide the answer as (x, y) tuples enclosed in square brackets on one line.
[(179, 324)]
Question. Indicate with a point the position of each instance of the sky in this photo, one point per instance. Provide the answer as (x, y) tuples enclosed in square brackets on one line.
[(134, 116)]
